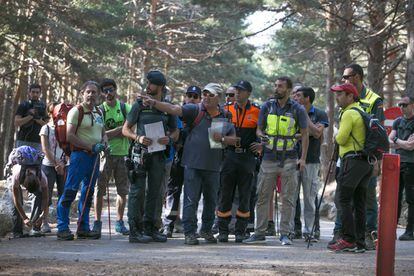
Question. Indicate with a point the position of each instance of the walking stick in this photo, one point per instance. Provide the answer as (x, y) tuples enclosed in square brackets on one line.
[(109, 209), (330, 170), (87, 192)]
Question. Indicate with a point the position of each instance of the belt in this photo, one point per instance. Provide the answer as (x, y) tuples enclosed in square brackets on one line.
[(354, 155), (84, 150), (239, 150)]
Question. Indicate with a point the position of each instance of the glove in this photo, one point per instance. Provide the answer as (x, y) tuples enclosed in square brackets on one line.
[(98, 147)]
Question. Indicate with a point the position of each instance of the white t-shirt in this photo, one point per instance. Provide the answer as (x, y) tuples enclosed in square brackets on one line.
[(49, 131)]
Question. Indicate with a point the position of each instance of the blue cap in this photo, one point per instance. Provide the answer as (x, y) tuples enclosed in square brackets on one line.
[(194, 89), (243, 85), (156, 77)]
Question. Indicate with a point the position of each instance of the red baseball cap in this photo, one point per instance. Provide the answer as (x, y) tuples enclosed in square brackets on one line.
[(346, 87)]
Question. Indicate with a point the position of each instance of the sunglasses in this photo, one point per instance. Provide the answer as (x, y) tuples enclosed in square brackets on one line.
[(192, 95), (208, 94), (230, 95), (403, 105), (345, 77), (108, 90)]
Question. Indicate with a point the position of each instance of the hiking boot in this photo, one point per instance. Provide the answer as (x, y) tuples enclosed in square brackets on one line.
[(46, 228), (223, 237), (240, 238), (35, 232), (208, 236), (255, 239), (342, 246), (168, 231), (191, 239), (97, 229), (310, 238), (90, 235), (407, 236), (139, 238), (270, 231), (337, 235), (369, 242), (65, 235), (297, 235), (156, 236), (120, 227), (284, 240)]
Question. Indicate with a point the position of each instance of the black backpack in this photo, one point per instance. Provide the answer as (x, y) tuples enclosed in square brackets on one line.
[(376, 138)]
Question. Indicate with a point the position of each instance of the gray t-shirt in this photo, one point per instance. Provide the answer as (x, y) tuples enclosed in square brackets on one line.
[(197, 152)]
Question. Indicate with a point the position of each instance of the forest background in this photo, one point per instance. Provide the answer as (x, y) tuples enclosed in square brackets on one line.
[(60, 44)]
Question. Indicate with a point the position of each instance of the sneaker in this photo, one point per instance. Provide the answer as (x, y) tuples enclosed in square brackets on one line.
[(284, 240), (223, 237), (342, 246), (65, 235), (255, 239), (139, 238), (120, 227), (360, 249), (168, 231), (35, 233), (46, 228), (407, 236), (270, 231), (208, 236), (191, 239), (310, 238), (298, 234), (157, 236), (97, 229), (90, 235), (240, 238), (337, 235), (369, 242)]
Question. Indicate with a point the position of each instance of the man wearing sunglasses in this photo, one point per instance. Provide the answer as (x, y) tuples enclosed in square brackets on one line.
[(201, 162), (230, 95), (372, 104), (402, 139), (176, 179), (114, 113)]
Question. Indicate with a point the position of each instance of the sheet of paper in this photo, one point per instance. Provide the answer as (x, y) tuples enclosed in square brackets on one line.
[(155, 131), (216, 127)]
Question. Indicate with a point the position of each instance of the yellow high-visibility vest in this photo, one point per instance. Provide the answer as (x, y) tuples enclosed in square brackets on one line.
[(281, 128), (368, 102)]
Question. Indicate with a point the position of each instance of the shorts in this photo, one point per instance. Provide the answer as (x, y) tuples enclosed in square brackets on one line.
[(113, 166)]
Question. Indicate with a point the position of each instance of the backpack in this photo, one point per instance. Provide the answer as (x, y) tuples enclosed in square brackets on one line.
[(59, 115), (26, 157), (376, 138)]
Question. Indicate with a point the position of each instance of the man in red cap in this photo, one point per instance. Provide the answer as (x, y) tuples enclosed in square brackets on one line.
[(354, 173)]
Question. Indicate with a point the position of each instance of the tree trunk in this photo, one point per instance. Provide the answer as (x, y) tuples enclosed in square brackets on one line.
[(409, 78), (375, 47)]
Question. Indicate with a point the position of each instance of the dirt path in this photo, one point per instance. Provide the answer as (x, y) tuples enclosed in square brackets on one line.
[(47, 256)]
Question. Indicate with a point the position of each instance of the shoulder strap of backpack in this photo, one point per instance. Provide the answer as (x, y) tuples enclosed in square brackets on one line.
[(80, 116), (101, 108), (199, 117), (362, 115), (123, 110)]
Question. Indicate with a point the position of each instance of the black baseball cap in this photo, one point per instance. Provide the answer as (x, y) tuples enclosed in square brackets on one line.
[(194, 89), (156, 77), (243, 85)]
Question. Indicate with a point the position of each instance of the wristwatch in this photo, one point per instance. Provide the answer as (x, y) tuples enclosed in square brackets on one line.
[(395, 139)]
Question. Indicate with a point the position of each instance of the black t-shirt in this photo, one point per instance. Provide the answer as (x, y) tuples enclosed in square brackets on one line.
[(404, 128), (29, 132), (317, 116)]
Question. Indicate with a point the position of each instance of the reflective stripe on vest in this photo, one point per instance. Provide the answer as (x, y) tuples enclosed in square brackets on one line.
[(368, 102), (281, 128)]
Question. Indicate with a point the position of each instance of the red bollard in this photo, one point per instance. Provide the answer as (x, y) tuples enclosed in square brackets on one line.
[(387, 222)]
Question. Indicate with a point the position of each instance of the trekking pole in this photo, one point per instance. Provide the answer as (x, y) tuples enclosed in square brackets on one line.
[(330, 170), (109, 209), (87, 191)]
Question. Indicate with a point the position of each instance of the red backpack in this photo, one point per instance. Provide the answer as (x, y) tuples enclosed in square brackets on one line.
[(59, 115)]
